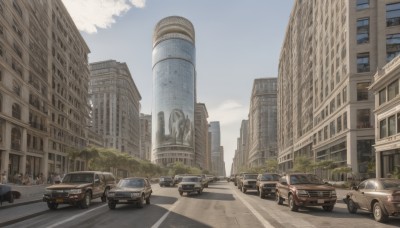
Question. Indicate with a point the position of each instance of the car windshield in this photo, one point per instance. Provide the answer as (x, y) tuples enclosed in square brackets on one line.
[(305, 179), (78, 178), (250, 176), (391, 184), (270, 177), (190, 179), (131, 183)]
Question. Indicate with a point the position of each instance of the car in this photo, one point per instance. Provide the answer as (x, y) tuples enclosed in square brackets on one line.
[(177, 179), (166, 181), (266, 184), (380, 196), (8, 195), (190, 184), (79, 188), (304, 189), (248, 182), (132, 190)]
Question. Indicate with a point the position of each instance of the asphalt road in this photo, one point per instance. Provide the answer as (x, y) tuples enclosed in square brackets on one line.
[(220, 205)]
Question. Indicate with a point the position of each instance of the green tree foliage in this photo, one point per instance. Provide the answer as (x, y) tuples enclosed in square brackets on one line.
[(302, 164), (271, 165)]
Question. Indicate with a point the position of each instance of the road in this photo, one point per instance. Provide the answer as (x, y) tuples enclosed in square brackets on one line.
[(220, 205)]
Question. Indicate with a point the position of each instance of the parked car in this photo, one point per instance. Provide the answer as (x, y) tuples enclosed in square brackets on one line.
[(381, 197), (79, 188), (302, 190), (132, 190), (177, 179), (6, 194), (248, 182), (166, 181), (266, 184), (190, 184)]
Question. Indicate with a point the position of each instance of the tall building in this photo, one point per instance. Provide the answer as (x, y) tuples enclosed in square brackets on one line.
[(145, 137), (240, 160), (329, 55), (174, 73), (262, 127), (44, 79), (116, 106), (216, 159), (201, 136)]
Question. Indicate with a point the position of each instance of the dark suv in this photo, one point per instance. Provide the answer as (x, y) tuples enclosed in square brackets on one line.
[(132, 190), (79, 188), (266, 184)]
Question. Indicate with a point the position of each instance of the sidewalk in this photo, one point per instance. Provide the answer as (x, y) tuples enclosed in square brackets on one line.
[(29, 194)]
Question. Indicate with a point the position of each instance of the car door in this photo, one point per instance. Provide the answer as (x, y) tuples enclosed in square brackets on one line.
[(283, 187), (367, 195), (97, 186), (357, 195)]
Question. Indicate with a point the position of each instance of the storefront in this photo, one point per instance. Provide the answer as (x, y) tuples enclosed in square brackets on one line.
[(390, 163)]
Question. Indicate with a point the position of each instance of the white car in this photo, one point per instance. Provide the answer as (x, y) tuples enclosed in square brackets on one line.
[(190, 184)]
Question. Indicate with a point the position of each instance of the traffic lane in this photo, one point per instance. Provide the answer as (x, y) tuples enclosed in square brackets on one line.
[(215, 207), (281, 216), (99, 215)]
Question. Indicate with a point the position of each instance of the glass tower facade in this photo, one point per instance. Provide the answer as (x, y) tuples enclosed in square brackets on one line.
[(174, 75)]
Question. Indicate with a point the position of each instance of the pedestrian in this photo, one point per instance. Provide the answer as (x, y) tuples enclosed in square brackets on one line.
[(4, 177), (57, 178)]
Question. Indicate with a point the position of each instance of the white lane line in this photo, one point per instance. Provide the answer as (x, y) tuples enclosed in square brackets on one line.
[(161, 220), (75, 216), (264, 222)]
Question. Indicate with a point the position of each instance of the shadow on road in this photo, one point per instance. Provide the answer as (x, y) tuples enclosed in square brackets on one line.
[(211, 196)]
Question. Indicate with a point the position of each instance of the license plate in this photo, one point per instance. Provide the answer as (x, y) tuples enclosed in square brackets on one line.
[(59, 200), (321, 201)]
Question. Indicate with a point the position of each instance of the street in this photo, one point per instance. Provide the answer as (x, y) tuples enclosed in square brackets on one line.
[(220, 205)]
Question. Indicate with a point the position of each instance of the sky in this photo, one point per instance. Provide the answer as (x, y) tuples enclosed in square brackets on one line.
[(237, 41)]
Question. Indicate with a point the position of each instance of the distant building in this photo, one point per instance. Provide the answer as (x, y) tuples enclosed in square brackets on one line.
[(262, 127), (174, 72), (116, 106), (240, 160), (145, 137), (216, 149), (387, 116), (201, 136)]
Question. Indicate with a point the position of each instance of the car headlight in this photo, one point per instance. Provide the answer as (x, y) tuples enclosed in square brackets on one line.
[(135, 194), (75, 191), (333, 193), (302, 193), (110, 194)]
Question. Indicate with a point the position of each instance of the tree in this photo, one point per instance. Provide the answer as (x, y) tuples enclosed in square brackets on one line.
[(272, 165), (302, 164), (89, 153), (72, 154)]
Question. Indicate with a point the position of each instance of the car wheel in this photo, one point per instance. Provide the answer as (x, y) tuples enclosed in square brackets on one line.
[(104, 197), (85, 203), (180, 193), (148, 199), (351, 207), (292, 204), (379, 214), (112, 204), (328, 208), (52, 206), (262, 196), (278, 199), (244, 189), (141, 201)]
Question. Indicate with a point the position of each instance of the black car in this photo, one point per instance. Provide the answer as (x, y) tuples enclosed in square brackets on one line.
[(6, 194), (132, 190), (166, 181)]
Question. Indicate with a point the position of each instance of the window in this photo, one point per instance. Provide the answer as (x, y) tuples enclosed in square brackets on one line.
[(17, 8), (398, 122), (338, 100), (15, 139), (363, 62), (393, 90), (382, 96), (382, 128), (362, 91), (362, 30), (392, 46), (332, 106), (326, 132), (363, 118), (345, 120), (344, 92), (362, 4), (393, 14), (16, 111), (339, 124), (16, 88), (332, 128), (391, 125)]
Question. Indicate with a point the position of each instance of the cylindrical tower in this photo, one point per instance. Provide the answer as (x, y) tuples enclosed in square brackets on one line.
[(174, 72)]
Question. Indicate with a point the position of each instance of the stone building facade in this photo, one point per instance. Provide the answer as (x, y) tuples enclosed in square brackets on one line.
[(44, 79), (145, 137), (201, 137), (240, 159), (115, 103)]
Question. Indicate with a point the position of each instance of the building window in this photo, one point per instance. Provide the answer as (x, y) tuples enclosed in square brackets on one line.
[(15, 139), (398, 122), (391, 125), (16, 111), (363, 118), (392, 46), (345, 120), (362, 91), (332, 106), (382, 129), (325, 132), (393, 90), (16, 88), (344, 93), (362, 30), (363, 62), (382, 96), (339, 124), (332, 129), (17, 8), (362, 4), (393, 14)]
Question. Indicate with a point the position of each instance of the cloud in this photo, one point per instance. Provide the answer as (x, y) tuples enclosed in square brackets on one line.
[(89, 15), (229, 112)]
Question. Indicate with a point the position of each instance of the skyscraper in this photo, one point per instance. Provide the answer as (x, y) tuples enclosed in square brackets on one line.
[(216, 158), (174, 73)]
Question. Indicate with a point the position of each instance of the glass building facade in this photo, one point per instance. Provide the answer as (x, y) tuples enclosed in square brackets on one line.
[(174, 75)]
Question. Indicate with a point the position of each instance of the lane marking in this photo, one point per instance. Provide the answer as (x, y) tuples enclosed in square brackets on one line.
[(161, 220), (75, 216), (264, 222)]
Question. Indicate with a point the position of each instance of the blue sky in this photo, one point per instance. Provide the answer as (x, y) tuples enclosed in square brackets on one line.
[(236, 42)]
